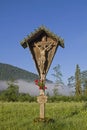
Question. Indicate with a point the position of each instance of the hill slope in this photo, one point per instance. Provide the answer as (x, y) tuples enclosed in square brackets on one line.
[(25, 80), (9, 72)]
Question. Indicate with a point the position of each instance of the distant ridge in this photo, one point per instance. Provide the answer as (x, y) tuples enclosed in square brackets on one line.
[(9, 72)]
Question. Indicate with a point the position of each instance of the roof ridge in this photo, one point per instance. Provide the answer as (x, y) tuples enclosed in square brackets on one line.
[(49, 33)]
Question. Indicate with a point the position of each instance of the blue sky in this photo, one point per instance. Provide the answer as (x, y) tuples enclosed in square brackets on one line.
[(66, 18)]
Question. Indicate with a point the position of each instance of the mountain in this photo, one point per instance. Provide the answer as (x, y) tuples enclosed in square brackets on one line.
[(9, 72), (25, 80)]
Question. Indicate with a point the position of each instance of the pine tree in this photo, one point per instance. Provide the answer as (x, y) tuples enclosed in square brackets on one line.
[(78, 91)]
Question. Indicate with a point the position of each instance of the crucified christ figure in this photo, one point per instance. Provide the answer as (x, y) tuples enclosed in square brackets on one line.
[(42, 59)]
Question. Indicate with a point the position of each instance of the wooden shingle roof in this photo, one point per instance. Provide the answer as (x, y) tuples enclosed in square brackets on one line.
[(37, 33)]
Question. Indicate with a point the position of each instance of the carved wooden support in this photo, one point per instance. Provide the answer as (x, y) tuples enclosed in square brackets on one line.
[(42, 99)]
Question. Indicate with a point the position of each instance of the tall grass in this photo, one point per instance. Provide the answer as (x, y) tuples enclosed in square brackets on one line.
[(66, 115)]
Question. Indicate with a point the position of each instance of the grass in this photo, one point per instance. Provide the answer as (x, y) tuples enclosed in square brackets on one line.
[(66, 115)]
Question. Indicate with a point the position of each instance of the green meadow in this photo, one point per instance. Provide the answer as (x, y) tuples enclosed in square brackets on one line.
[(21, 115)]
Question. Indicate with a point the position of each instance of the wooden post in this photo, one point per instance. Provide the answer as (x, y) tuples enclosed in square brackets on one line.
[(42, 110), (42, 99)]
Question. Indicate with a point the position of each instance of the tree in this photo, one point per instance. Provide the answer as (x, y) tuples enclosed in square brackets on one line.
[(71, 81), (58, 79), (85, 88), (78, 89), (11, 93)]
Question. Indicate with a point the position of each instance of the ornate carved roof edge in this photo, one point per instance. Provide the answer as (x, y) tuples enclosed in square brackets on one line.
[(35, 34)]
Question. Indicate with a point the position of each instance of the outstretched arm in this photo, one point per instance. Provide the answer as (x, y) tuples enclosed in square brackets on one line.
[(48, 47)]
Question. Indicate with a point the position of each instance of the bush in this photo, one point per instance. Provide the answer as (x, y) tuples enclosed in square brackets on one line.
[(66, 98), (10, 94), (26, 97)]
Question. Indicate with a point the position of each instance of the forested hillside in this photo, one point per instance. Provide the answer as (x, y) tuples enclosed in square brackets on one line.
[(9, 72)]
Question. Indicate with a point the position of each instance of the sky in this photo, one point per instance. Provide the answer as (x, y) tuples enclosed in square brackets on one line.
[(65, 18)]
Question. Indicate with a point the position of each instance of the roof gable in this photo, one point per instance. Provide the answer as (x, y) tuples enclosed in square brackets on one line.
[(38, 34)]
